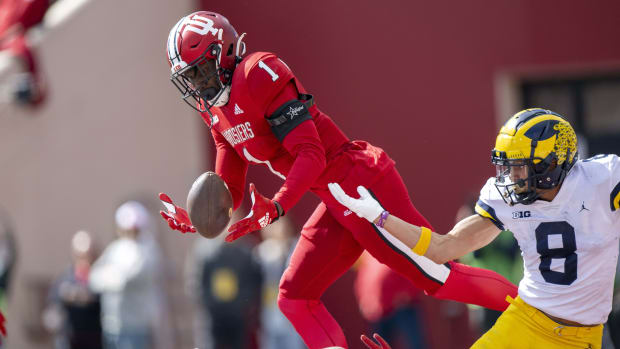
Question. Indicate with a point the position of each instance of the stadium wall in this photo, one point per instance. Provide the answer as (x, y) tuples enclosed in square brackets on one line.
[(113, 128)]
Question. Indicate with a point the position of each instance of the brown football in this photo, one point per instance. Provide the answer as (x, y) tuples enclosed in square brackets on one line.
[(209, 204)]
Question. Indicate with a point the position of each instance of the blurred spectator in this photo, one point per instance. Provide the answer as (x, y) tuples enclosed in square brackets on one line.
[(8, 257), (273, 253), (16, 17), (74, 310), (390, 303), (225, 280), (611, 337), (127, 276)]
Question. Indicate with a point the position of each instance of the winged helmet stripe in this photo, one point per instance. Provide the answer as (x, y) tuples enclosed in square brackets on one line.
[(172, 42)]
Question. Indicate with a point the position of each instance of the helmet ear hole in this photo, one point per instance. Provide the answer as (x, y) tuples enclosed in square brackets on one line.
[(230, 50)]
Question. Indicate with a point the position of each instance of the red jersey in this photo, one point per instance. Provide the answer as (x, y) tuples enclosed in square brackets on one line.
[(308, 157)]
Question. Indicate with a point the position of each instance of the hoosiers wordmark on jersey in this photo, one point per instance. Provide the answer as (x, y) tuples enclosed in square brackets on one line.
[(267, 122), (238, 133)]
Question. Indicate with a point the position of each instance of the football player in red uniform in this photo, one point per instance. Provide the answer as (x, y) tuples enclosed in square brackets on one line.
[(259, 113), (16, 18)]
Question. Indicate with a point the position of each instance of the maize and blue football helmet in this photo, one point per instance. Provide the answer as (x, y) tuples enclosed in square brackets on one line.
[(534, 150)]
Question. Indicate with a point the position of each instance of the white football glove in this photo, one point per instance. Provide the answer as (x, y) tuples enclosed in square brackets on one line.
[(365, 207)]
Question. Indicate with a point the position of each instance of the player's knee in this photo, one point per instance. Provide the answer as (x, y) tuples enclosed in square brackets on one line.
[(294, 305), (286, 305), (282, 302), (289, 290)]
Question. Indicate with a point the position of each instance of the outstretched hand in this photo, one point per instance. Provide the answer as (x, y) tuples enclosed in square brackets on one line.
[(177, 217), (263, 212), (365, 207), (370, 344)]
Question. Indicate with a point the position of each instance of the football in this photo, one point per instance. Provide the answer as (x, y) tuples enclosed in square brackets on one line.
[(209, 204)]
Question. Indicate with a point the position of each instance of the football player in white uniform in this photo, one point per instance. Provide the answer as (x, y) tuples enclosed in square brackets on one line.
[(565, 214)]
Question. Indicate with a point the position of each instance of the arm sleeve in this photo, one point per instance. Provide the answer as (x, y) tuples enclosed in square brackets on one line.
[(231, 167), (304, 144)]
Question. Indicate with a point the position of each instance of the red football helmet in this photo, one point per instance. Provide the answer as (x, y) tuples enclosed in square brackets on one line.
[(203, 47)]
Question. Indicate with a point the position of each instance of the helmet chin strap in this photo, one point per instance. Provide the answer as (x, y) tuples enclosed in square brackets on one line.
[(215, 97), (222, 97), (218, 97)]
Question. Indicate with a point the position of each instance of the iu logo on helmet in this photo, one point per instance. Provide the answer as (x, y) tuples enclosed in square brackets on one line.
[(201, 25)]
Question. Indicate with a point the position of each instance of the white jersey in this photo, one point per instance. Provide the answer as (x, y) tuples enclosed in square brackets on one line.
[(569, 245)]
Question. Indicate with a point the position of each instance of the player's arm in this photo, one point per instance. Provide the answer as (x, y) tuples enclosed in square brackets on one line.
[(271, 85), (468, 235), (301, 139), (231, 167)]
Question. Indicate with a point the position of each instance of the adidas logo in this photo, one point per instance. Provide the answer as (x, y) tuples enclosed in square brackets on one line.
[(238, 110), (264, 220), (347, 212), (215, 120)]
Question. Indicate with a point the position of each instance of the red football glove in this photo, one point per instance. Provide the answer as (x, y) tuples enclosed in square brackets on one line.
[(372, 345), (177, 217), (2, 326), (263, 212)]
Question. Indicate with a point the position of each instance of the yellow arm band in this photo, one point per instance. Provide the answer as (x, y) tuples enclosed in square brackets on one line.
[(423, 243)]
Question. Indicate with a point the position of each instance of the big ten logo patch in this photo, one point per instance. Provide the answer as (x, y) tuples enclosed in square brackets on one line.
[(521, 214)]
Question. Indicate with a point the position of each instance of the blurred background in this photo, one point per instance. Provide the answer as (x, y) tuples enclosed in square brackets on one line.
[(88, 121)]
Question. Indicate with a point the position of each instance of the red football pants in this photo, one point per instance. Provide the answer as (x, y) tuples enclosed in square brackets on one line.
[(332, 240)]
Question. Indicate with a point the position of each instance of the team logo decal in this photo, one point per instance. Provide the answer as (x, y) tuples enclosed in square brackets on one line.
[(201, 25), (238, 110), (294, 111), (521, 214)]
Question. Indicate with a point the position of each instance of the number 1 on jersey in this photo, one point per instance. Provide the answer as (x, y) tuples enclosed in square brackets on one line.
[(273, 74)]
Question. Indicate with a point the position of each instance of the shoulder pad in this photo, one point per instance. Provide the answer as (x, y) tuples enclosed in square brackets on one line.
[(490, 198), (604, 168), (265, 75)]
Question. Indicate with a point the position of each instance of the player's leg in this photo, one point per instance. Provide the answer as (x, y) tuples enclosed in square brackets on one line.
[(476, 286), (447, 281), (523, 326), (324, 252)]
